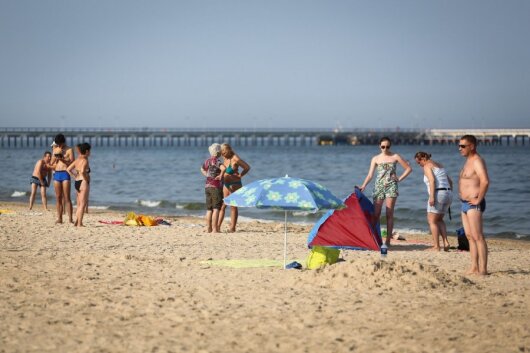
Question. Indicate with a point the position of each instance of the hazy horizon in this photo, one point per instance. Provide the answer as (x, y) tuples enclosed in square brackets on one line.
[(275, 64)]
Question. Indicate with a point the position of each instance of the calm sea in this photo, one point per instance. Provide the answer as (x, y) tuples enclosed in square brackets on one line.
[(167, 181)]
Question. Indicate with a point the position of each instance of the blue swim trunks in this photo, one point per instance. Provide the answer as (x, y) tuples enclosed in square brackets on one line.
[(466, 206), (61, 175)]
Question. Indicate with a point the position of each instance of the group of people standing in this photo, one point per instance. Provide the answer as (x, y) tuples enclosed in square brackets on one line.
[(62, 163), (223, 177), (473, 184)]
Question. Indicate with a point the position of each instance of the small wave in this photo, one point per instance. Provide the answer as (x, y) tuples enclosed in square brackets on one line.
[(191, 206), (410, 231), (511, 235), (18, 194), (302, 213), (99, 207), (148, 203)]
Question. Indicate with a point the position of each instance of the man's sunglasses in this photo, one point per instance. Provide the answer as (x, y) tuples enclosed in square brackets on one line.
[(384, 147), (462, 146)]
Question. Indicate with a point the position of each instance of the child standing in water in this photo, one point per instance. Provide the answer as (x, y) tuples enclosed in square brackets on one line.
[(80, 170)]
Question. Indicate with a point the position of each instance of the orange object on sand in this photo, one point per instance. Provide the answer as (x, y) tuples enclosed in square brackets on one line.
[(139, 220), (147, 221)]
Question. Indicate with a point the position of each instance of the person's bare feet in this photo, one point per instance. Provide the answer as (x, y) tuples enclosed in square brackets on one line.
[(472, 271), (59, 221), (434, 248)]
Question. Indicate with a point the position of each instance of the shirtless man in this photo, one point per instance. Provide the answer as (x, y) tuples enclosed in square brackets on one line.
[(62, 157), (42, 173), (473, 185)]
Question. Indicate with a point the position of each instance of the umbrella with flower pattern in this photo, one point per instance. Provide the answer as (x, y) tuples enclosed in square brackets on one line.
[(287, 194)]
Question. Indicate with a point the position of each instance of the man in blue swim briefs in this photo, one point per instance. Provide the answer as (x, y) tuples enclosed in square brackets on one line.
[(473, 185)]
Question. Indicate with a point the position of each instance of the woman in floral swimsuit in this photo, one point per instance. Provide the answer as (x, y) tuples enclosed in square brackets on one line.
[(386, 182)]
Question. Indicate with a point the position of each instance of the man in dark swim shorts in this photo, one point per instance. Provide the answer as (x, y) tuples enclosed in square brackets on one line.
[(41, 174)]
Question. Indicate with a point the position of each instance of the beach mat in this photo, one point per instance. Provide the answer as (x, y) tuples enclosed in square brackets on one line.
[(245, 263)]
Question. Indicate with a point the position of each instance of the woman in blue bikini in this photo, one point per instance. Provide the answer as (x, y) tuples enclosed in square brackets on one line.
[(231, 181)]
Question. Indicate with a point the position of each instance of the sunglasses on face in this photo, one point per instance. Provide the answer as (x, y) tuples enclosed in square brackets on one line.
[(462, 146), (384, 147)]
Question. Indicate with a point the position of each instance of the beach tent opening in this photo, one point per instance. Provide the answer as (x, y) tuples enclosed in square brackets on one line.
[(349, 228)]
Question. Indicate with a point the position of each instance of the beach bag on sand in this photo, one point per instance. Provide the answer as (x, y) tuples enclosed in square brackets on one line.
[(320, 256), (463, 243), (139, 220)]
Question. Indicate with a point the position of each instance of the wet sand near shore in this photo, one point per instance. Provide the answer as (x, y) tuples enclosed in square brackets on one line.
[(113, 288)]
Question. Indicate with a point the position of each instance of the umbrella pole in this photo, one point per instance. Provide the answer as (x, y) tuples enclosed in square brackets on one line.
[(285, 243)]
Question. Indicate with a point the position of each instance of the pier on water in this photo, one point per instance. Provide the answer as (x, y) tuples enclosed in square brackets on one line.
[(143, 138)]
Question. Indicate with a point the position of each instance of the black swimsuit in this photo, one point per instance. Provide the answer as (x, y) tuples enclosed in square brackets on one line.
[(77, 183)]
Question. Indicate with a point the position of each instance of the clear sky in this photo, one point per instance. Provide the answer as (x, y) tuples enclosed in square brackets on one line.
[(269, 63)]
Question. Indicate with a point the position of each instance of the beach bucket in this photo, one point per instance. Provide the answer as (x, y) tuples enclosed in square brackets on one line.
[(320, 256)]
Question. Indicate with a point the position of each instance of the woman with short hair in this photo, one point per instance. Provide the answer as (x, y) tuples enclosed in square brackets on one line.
[(440, 189)]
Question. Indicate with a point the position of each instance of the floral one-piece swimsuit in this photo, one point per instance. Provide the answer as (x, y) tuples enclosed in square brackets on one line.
[(386, 182)]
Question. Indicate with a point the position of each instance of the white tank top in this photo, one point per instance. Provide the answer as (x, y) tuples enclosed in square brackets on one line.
[(440, 179)]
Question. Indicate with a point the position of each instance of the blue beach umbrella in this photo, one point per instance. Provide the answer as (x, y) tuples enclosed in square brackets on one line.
[(288, 194)]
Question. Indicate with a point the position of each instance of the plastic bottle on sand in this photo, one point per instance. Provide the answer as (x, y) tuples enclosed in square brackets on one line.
[(384, 251)]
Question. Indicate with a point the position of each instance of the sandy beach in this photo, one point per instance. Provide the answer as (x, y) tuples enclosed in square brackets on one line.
[(113, 288)]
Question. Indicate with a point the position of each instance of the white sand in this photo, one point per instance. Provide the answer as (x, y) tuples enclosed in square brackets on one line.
[(108, 288)]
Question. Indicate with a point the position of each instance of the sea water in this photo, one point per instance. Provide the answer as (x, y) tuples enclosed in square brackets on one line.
[(168, 181)]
